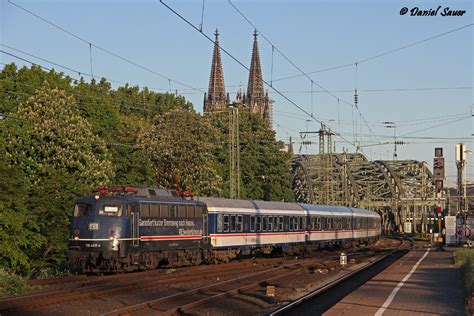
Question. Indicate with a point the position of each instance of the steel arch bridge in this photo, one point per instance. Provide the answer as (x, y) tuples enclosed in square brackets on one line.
[(400, 190)]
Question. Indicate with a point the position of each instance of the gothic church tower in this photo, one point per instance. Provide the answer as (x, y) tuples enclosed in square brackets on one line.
[(216, 97), (256, 100)]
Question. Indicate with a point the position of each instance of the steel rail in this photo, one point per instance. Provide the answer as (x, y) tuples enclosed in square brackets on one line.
[(333, 283)]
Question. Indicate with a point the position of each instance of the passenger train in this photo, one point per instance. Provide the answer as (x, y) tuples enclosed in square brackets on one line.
[(128, 229)]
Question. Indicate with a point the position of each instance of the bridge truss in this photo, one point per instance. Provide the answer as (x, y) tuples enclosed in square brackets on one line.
[(399, 190)]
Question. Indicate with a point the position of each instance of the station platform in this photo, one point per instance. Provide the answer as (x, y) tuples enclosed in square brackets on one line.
[(423, 282)]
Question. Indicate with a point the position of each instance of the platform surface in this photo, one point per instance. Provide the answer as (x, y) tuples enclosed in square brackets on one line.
[(433, 287)]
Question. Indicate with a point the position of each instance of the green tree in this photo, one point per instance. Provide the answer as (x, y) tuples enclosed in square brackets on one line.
[(20, 235), (265, 169), (48, 132), (17, 85), (61, 158), (132, 164), (180, 146)]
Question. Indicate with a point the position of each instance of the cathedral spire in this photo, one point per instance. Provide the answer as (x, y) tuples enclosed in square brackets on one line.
[(255, 91), (216, 97)]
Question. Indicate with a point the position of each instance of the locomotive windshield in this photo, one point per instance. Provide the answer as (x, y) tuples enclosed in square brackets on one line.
[(110, 209), (82, 209)]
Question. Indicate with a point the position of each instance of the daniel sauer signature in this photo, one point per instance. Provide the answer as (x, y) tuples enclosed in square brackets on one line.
[(415, 11)]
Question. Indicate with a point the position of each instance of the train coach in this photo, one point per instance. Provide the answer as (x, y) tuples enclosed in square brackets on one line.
[(126, 229)]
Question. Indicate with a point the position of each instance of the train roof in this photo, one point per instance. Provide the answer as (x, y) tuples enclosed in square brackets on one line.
[(212, 202)]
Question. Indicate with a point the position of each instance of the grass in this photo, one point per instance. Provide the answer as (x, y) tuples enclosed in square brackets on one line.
[(465, 262), (11, 283)]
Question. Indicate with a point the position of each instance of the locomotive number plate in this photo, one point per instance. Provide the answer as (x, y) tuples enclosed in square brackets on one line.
[(92, 245), (93, 226)]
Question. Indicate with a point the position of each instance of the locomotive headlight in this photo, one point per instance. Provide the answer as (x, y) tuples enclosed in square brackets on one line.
[(76, 237)]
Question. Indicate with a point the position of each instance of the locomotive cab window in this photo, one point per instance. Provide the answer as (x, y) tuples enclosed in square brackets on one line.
[(82, 210), (110, 209)]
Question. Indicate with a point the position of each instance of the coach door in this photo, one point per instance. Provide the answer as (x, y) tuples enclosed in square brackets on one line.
[(135, 228), (205, 225)]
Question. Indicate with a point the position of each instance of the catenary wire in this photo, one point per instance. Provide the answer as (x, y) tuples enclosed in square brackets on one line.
[(245, 67), (127, 60)]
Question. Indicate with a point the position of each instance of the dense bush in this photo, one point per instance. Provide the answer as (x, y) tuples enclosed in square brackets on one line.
[(465, 261)]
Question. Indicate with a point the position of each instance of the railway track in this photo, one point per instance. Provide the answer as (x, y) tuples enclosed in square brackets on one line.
[(185, 302), (105, 287), (341, 286), (212, 283)]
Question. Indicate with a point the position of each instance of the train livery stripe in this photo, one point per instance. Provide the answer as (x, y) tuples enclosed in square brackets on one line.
[(169, 237), (290, 233)]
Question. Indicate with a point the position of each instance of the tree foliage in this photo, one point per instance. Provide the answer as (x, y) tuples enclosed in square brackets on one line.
[(62, 137), (50, 133), (265, 169), (179, 145)]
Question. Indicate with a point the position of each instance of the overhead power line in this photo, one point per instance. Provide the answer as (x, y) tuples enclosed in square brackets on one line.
[(312, 81), (245, 67), (79, 72), (91, 44), (378, 55)]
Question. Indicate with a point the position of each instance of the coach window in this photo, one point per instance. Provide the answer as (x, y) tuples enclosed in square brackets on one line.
[(173, 211), (240, 222), (144, 210), (291, 223), (259, 223), (264, 223), (280, 223), (295, 223), (275, 223), (328, 223), (220, 222), (232, 223), (313, 223), (226, 223), (270, 223), (252, 223)]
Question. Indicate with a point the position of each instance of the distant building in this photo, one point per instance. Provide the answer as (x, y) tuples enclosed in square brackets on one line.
[(256, 100)]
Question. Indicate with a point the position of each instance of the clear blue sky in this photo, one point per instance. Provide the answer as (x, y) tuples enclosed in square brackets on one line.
[(313, 34)]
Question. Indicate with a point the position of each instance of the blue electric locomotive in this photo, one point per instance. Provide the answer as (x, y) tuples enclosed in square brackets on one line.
[(147, 228)]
